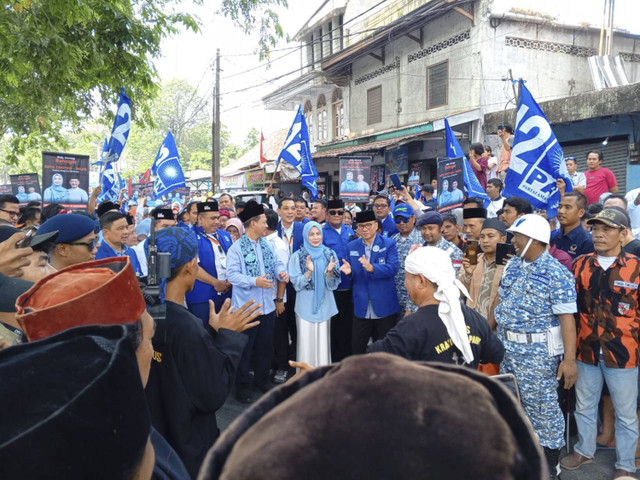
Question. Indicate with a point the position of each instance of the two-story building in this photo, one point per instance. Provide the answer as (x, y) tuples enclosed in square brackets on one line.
[(378, 76)]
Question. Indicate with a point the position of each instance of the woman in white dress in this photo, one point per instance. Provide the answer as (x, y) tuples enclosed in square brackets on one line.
[(314, 272)]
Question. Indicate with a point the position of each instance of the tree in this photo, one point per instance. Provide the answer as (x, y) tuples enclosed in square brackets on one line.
[(63, 60), (252, 139)]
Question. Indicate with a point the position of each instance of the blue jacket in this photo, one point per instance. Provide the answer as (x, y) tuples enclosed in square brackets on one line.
[(378, 287), (106, 251), (338, 243), (389, 227), (298, 229), (203, 292)]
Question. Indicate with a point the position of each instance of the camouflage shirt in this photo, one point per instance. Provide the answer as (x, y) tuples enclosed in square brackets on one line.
[(404, 245)]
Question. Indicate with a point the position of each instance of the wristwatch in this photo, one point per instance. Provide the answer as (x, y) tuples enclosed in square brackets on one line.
[(279, 300)]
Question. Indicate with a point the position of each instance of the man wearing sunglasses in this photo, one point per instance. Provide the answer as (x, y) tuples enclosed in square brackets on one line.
[(9, 209), (336, 235), (76, 241)]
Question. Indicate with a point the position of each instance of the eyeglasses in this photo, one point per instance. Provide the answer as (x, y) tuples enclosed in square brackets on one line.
[(368, 225), (91, 244), (11, 213), (380, 205), (402, 219), (336, 212)]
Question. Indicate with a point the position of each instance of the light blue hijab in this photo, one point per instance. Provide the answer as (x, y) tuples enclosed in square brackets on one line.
[(319, 265)]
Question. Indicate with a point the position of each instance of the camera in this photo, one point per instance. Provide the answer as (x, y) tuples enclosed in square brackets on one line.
[(159, 264)]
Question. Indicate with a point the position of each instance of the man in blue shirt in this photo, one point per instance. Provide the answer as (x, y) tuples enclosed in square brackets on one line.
[(572, 237), (382, 210), (337, 236), (115, 232), (372, 264), (252, 267)]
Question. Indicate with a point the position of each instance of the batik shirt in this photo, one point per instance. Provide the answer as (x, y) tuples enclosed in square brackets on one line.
[(608, 317), (404, 245), (532, 295), (454, 252)]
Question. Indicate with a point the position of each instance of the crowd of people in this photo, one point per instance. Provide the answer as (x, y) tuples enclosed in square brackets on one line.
[(258, 291)]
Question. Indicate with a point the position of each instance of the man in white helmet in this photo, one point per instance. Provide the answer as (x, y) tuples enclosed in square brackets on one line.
[(534, 316)]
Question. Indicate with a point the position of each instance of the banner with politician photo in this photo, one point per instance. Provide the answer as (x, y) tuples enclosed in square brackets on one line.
[(26, 187), (414, 174), (65, 179), (143, 190), (396, 161), (450, 183), (355, 178), (177, 195)]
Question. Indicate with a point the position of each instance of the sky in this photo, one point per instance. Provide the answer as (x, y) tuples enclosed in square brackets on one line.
[(191, 56)]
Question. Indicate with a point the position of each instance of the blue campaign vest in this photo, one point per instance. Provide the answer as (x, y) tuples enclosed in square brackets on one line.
[(203, 292), (378, 287), (298, 229), (338, 243)]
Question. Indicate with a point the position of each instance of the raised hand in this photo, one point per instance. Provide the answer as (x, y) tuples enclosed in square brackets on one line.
[(309, 264), (345, 267), (330, 266), (366, 264), (238, 320)]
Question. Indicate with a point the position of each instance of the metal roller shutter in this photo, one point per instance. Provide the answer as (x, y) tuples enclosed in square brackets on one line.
[(616, 154)]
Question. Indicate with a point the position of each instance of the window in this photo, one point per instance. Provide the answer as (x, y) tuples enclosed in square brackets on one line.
[(308, 115), (338, 113), (330, 38), (317, 47), (310, 61), (438, 84), (374, 105), (323, 120)]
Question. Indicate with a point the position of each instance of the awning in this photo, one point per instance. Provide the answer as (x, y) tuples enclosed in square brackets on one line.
[(366, 147)]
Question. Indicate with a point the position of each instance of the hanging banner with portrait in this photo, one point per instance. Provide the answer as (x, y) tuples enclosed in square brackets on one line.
[(26, 187), (450, 183), (355, 178), (65, 179), (414, 174)]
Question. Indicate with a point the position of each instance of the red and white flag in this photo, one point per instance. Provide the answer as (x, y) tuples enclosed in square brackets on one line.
[(263, 159)]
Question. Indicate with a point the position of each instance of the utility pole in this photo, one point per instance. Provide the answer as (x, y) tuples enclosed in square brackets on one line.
[(215, 129)]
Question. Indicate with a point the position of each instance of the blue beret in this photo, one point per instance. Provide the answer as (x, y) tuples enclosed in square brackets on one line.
[(70, 226), (430, 217)]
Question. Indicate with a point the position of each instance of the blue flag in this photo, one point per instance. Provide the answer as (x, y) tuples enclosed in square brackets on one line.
[(167, 168), (537, 160), (105, 148), (297, 152), (110, 185), (121, 127), (471, 183)]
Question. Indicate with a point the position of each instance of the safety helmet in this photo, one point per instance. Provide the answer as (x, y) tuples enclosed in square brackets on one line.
[(533, 226)]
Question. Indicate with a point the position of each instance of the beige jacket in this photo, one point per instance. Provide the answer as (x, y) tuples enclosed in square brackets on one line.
[(473, 285)]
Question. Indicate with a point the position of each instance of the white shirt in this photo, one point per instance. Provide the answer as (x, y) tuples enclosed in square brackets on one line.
[(142, 257), (219, 257), (579, 179), (493, 165), (288, 233), (606, 262), (281, 249), (494, 206)]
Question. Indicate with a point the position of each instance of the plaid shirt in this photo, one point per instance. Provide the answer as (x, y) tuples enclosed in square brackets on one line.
[(608, 318), (404, 245)]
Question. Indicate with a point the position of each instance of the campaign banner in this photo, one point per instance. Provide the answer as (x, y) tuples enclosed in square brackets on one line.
[(396, 161), (177, 195), (255, 180), (450, 179), (6, 189), (65, 179), (355, 178), (414, 174), (377, 177), (26, 187)]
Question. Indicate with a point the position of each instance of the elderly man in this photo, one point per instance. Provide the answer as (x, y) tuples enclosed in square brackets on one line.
[(608, 314), (76, 241), (473, 219), (442, 329), (534, 318), (252, 267), (373, 263), (406, 238), (430, 226)]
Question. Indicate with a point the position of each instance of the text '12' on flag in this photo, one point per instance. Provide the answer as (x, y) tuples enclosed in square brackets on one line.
[(297, 152), (167, 168), (121, 127), (537, 160), (471, 183), (110, 186)]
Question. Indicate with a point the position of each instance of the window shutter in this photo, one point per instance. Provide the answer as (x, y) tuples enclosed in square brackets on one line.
[(374, 105), (437, 85)]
